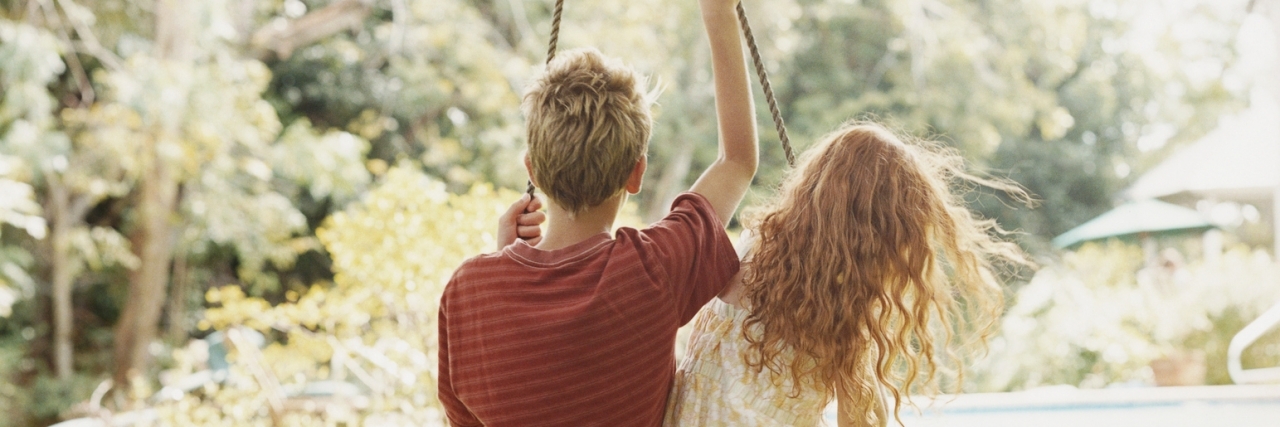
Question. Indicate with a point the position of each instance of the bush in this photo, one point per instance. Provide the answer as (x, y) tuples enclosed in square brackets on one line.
[(372, 331), (13, 399), (1099, 317)]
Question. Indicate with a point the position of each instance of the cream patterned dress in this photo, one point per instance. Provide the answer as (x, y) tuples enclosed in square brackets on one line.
[(714, 387)]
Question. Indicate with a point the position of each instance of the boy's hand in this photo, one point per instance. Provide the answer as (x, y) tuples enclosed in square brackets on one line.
[(521, 221)]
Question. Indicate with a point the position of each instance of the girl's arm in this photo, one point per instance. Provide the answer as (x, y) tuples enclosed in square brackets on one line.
[(728, 178)]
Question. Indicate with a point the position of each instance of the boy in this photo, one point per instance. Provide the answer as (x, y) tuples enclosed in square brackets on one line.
[(580, 329)]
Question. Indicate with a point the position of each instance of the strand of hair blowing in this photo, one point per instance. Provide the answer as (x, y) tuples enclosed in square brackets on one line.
[(863, 265)]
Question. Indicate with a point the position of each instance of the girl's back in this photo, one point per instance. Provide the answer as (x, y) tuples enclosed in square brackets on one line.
[(713, 387), (865, 260)]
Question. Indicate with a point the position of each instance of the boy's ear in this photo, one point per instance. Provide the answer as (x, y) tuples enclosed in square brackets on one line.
[(637, 175), (528, 167)]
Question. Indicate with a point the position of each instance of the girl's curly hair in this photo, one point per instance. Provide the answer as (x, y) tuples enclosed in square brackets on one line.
[(869, 270)]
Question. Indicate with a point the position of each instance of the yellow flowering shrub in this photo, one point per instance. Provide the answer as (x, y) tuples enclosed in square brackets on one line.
[(373, 330)]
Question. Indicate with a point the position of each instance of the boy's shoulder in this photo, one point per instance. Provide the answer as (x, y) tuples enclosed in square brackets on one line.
[(686, 231), (694, 208), (483, 265)]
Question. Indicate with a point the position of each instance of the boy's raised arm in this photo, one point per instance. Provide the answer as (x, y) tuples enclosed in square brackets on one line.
[(726, 181)]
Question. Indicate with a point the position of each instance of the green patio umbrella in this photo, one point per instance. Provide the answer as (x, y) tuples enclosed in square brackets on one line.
[(1142, 216)]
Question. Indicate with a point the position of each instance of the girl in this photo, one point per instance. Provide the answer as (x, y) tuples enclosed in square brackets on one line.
[(860, 276)]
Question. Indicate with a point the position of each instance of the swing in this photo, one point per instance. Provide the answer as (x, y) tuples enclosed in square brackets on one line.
[(755, 58)]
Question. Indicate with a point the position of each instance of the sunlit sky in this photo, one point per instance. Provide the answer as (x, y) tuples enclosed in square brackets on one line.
[(1197, 25)]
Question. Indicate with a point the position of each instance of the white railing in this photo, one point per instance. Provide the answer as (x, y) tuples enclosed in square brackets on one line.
[(1243, 340)]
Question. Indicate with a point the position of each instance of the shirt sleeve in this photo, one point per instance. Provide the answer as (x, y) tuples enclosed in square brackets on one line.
[(455, 410), (746, 244), (691, 247)]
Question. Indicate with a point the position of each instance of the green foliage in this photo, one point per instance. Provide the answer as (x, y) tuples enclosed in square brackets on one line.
[(13, 400), (425, 82), (1052, 94), (77, 134), (52, 396), (28, 62), (15, 283), (1100, 317), (19, 210), (241, 170)]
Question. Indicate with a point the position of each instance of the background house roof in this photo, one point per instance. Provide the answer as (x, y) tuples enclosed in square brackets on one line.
[(1240, 160), (1143, 216)]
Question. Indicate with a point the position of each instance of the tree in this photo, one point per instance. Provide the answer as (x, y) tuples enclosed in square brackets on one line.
[(182, 128), (1047, 93), (215, 130), (70, 180)]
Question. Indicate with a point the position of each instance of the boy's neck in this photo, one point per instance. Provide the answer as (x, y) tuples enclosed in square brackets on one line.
[(565, 230)]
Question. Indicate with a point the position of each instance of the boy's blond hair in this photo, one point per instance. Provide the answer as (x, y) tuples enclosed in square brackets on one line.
[(588, 125)]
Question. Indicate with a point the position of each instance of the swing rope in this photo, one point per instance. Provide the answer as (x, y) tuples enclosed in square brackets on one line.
[(755, 58), (764, 83), (555, 31), (551, 54)]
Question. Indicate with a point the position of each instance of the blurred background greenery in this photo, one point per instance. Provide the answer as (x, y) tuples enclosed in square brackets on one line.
[(241, 212)]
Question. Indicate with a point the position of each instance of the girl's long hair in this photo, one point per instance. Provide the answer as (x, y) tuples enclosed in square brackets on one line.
[(869, 270)]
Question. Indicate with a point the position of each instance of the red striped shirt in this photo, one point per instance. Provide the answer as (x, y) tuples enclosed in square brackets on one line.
[(582, 335)]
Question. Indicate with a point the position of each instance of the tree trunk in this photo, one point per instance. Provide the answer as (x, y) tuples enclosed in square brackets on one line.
[(151, 239), (173, 24), (153, 229), (61, 274), (63, 211), (243, 13), (177, 313)]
